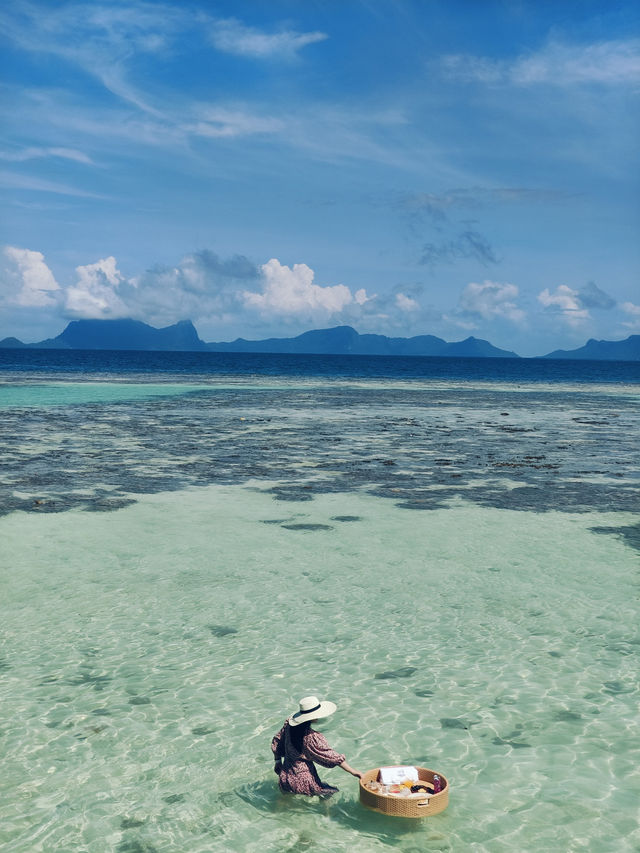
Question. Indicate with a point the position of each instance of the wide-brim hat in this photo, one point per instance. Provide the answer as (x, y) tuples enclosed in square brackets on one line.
[(311, 708)]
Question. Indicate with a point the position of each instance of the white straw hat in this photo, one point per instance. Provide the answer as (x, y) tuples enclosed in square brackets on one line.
[(311, 708)]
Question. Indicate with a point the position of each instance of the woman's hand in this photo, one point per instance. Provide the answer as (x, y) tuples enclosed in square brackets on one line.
[(350, 769)]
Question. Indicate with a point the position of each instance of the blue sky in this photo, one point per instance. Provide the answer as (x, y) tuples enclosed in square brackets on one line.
[(447, 167)]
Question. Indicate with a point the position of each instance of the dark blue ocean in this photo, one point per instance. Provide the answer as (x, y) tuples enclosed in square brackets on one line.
[(330, 366)]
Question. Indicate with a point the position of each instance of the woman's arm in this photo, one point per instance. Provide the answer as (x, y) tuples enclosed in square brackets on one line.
[(277, 745), (317, 749), (349, 769)]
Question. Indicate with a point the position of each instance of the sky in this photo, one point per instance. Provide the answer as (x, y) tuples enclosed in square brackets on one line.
[(406, 167)]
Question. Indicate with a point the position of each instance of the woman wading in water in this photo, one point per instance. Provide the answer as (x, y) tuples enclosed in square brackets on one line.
[(297, 746)]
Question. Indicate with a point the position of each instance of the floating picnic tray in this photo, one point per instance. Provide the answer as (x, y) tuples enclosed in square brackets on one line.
[(413, 806)]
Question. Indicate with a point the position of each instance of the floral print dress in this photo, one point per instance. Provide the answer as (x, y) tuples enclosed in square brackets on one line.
[(297, 773)]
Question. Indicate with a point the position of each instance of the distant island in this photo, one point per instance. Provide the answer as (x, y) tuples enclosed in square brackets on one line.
[(627, 350), (341, 340)]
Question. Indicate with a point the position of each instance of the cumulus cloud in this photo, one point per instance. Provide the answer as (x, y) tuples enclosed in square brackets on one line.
[(36, 286), (564, 302), (201, 286), (406, 303), (95, 294), (557, 64), (291, 291), (228, 296), (490, 300), (232, 36), (633, 311), (573, 305)]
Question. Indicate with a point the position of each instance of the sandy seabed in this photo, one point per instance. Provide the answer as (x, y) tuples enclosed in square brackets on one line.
[(149, 654)]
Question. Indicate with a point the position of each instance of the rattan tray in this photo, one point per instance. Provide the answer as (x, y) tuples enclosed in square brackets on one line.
[(405, 806)]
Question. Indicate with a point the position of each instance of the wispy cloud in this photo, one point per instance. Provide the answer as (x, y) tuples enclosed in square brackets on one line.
[(112, 42), (11, 180), (467, 244), (232, 36), (437, 212), (100, 39), (437, 206), (556, 64), (224, 122), (591, 296), (35, 153)]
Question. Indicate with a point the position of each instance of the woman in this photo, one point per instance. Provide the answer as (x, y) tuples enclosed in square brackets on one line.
[(297, 746)]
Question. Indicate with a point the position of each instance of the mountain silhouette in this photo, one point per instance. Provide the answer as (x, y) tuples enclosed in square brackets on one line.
[(626, 350), (127, 334)]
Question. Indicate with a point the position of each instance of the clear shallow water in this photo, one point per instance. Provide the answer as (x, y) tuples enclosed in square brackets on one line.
[(36, 394), (166, 643), (453, 561)]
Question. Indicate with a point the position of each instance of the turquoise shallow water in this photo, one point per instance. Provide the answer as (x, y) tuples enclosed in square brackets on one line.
[(38, 394), (454, 563), (150, 654)]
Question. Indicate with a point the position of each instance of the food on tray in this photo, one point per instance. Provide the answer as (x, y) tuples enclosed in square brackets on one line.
[(406, 789)]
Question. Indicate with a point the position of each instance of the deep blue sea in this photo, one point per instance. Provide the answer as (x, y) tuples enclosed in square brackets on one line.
[(270, 364), (445, 548)]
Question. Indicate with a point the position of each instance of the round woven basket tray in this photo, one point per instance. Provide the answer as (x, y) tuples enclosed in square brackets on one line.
[(414, 806)]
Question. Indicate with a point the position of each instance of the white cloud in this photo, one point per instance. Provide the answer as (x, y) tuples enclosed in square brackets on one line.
[(290, 291), (360, 297), (566, 303), (406, 303), (37, 285), (557, 64), (201, 287), (232, 36), (634, 313), (100, 39), (221, 122), (26, 182), (95, 296), (491, 299), (606, 62), (33, 153)]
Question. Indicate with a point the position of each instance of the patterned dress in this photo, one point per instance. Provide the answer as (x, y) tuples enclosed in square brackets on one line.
[(297, 772)]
